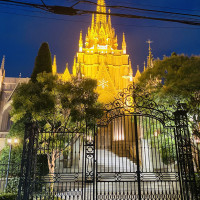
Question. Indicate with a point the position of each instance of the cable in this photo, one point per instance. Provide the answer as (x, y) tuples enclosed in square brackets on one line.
[(27, 10), (44, 3), (114, 24), (143, 9), (150, 5), (62, 10)]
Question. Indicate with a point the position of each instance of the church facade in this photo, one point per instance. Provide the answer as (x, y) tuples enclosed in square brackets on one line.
[(99, 57), (7, 88)]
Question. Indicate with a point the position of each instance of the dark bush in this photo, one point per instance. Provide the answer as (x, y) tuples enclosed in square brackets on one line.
[(42, 164), (8, 196)]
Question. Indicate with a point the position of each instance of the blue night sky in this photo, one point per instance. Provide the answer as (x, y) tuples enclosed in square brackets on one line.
[(23, 30)]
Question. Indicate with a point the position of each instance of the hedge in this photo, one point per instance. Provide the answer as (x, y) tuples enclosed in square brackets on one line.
[(8, 196)]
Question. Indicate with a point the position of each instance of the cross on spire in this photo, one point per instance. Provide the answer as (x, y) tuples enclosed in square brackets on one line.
[(150, 56), (149, 42)]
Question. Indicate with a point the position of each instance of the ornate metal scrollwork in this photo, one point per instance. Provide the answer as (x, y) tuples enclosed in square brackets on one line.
[(134, 100), (89, 161)]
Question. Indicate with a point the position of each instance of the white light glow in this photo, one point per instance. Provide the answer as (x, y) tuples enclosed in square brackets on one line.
[(15, 141), (118, 130), (102, 47), (103, 83), (9, 141), (197, 140), (155, 133)]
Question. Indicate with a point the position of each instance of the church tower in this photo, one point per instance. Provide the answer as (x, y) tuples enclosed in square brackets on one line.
[(150, 56), (100, 57)]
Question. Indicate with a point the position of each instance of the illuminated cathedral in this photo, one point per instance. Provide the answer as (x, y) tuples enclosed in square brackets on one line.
[(100, 58)]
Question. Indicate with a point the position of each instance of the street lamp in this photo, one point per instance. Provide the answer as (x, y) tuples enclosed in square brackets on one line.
[(10, 142)]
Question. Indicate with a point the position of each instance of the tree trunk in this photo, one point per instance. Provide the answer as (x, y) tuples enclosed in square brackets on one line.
[(51, 163)]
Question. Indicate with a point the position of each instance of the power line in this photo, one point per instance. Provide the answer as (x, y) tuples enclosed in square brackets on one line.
[(143, 9), (80, 21), (62, 10), (155, 6), (22, 9)]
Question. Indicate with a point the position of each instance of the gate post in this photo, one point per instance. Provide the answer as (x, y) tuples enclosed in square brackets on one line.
[(28, 162), (137, 157), (185, 159), (89, 165)]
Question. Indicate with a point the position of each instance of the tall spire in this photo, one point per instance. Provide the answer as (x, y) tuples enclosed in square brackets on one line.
[(124, 44), (74, 70), (150, 56), (66, 75), (109, 20), (92, 26), (137, 75), (54, 66), (81, 42), (101, 18), (2, 70), (144, 66), (3, 63)]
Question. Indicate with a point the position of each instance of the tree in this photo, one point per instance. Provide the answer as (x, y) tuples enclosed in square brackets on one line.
[(43, 62), (175, 78), (54, 104)]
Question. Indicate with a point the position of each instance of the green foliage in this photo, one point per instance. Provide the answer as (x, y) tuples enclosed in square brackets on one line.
[(165, 144), (16, 131), (42, 164), (180, 75), (12, 186), (53, 103), (197, 178), (8, 196), (173, 79), (160, 138), (34, 99), (15, 154), (43, 62)]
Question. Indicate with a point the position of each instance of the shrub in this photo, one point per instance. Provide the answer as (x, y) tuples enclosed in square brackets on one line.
[(8, 196), (165, 144), (42, 164), (12, 186), (197, 178)]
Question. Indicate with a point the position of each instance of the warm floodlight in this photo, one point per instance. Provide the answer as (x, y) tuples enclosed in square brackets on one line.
[(9, 141), (156, 134), (15, 140)]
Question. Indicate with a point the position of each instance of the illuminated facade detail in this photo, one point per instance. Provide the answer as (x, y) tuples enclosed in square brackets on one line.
[(124, 44), (81, 42), (66, 75), (103, 83), (137, 75), (54, 66), (150, 56), (100, 58), (8, 86), (144, 66)]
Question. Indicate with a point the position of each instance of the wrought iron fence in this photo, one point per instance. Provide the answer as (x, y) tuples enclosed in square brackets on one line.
[(137, 159), (196, 160), (54, 164), (136, 151)]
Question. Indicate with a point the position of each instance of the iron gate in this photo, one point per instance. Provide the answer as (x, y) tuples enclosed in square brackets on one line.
[(137, 159), (138, 150)]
